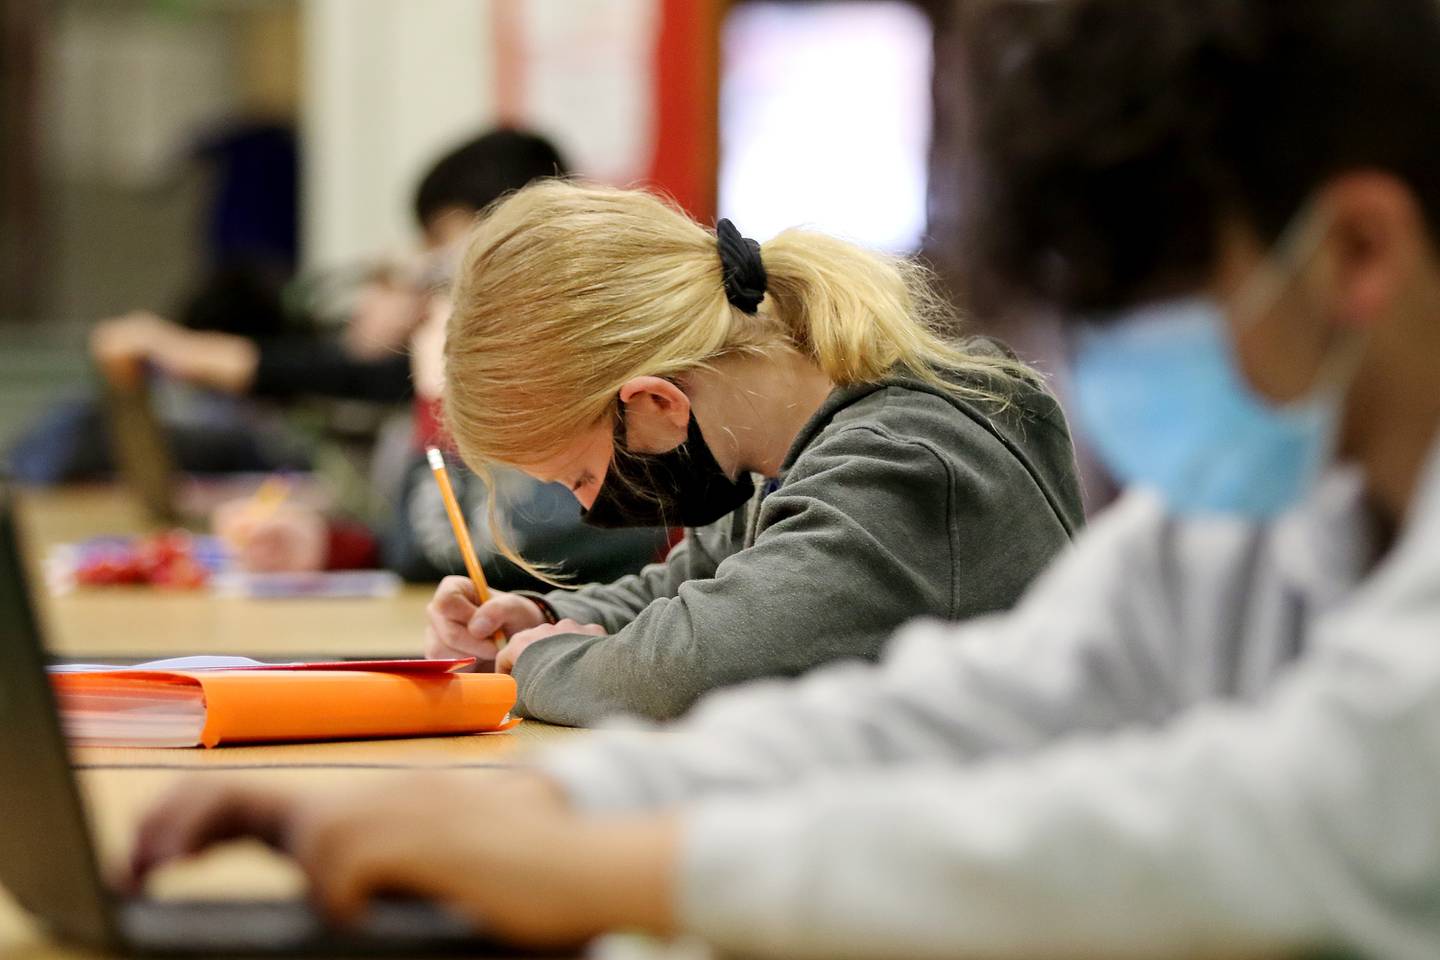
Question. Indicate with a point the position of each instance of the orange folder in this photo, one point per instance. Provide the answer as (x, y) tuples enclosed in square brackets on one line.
[(212, 707)]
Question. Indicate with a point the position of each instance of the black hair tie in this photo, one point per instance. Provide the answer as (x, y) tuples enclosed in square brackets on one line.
[(744, 274)]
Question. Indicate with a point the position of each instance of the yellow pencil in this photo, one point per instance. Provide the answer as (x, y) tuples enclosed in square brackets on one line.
[(462, 530), (261, 506), (268, 497)]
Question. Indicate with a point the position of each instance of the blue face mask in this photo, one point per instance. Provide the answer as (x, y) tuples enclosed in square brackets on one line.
[(1162, 399)]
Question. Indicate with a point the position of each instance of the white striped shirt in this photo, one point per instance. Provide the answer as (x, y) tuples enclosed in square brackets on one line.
[(1190, 737)]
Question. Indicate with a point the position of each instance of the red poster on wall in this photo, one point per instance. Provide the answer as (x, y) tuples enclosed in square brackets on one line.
[(686, 104), (626, 87)]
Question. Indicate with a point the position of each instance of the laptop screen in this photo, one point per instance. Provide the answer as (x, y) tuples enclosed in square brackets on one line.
[(47, 862)]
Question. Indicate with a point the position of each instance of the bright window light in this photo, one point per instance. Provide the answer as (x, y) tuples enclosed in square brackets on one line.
[(825, 115)]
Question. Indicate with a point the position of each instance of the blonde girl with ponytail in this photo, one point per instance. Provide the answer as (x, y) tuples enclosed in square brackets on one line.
[(838, 462)]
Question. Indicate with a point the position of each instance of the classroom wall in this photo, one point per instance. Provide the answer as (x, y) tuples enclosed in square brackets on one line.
[(130, 91), (385, 86), (389, 86)]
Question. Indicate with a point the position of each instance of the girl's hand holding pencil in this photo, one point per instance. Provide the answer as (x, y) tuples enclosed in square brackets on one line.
[(466, 618), (458, 620), (461, 626)]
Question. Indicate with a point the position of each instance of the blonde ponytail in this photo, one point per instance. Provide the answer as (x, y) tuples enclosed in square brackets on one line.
[(863, 316), (567, 291)]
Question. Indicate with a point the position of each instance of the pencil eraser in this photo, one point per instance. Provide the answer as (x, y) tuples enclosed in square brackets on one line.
[(437, 461)]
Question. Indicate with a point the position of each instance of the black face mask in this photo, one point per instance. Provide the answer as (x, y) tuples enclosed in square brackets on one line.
[(683, 487)]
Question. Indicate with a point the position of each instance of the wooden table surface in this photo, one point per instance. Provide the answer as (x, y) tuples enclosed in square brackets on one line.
[(101, 623), (119, 784), (117, 798)]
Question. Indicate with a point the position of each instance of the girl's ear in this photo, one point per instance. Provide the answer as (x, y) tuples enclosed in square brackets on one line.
[(657, 414)]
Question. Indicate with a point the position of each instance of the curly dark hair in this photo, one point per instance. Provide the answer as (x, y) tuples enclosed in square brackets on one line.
[(1113, 137)]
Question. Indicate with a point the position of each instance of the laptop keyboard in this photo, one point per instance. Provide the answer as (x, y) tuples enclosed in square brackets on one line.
[(293, 928)]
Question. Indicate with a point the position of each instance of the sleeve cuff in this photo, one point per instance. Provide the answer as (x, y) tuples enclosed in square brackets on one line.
[(596, 776), (739, 873), (273, 377), (557, 604), (547, 609)]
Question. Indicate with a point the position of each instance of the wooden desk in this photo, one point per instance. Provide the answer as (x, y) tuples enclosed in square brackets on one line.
[(107, 623), (120, 784), (118, 798), (479, 751)]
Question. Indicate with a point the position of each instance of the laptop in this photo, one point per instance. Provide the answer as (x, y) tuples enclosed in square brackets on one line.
[(47, 855)]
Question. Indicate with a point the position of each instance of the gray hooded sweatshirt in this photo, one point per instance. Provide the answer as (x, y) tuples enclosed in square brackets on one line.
[(896, 500)]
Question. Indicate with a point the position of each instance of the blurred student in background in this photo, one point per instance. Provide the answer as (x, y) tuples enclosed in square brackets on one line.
[(368, 360), (373, 360), (247, 254), (603, 340), (1214, 727)]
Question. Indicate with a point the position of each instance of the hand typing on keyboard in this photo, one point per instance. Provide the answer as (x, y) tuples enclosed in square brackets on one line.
[(504, 850)]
